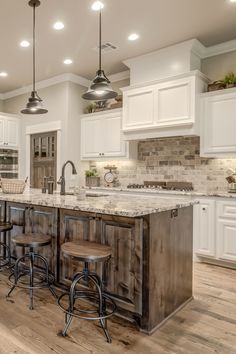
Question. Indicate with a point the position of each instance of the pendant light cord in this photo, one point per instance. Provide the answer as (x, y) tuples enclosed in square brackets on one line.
[(34, 48), (100, 39)]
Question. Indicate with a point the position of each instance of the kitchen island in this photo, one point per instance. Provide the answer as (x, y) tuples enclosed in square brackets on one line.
[(150, 273)]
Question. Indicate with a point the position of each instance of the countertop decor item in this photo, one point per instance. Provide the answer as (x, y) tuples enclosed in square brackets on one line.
[(111, 177), (230, 80), (13, 186), (100, 88), (216, 85), (92, 178), (34, 104)]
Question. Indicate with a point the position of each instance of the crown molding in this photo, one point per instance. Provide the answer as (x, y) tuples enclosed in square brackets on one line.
[(222, 48), (120, 76), (47, 83)]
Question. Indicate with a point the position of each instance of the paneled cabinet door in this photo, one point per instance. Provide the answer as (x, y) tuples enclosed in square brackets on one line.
[(43, 220), (101, 135), (12, 132), (218, 122), (175, 102), (123, 273), (113, 143), (204, 228), (2, 131), (74, 226), (36, 219), (226, 239), (91, 138), (17, 214), (138, 109), (9, 132)]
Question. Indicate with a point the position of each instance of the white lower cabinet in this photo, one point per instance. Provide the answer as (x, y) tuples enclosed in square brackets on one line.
[(215, 229), (204, 228), (226, 230)]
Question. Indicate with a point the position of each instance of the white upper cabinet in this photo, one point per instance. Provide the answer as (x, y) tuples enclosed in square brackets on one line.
[(101, 135), (218, 125), (139, 109), (164, 108), (9, 131), (175, 103)]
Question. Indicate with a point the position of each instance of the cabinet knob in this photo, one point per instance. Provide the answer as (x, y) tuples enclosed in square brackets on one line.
[(203, 209)]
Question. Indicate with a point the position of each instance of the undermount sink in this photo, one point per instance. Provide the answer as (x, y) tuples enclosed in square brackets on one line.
[(91, 194)]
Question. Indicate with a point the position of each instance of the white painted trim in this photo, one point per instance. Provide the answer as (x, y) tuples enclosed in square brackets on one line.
[(46, 83), (9, 115), (221, 48), (43, 128), (120, 76)]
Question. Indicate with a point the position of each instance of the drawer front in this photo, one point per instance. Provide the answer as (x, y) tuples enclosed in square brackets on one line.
[(226, 209)]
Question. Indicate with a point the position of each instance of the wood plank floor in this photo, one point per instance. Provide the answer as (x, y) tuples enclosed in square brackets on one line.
[(206, 325)]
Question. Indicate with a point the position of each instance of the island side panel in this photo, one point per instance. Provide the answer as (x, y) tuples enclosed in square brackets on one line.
[(167, 266)]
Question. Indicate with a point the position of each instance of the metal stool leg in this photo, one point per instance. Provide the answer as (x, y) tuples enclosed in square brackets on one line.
[(31, 270), (69, 316), (45, 262), (103, 322), (6, 255), (16, 275)]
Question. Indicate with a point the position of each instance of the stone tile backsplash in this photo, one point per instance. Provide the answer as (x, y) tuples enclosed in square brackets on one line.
[(172, 159)]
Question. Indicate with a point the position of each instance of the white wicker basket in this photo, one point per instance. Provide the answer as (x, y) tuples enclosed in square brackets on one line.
[(13, 186)]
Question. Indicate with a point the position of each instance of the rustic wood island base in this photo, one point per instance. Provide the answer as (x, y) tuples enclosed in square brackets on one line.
[(150, 272)]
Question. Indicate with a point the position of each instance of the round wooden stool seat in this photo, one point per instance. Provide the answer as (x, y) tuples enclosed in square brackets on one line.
[(31, 240), (86, 251), (5, 226)]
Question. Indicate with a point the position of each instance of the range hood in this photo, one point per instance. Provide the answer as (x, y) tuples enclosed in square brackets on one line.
[(167, 62)]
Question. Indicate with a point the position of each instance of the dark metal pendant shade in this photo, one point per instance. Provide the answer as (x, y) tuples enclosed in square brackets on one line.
[(34, 104), (100, 88)]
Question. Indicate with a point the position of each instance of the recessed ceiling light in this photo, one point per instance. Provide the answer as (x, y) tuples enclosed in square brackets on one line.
[(68, 61), (24, 44), (3, 74), (232, 0), (133, 37), (58, 25), (97, 5)]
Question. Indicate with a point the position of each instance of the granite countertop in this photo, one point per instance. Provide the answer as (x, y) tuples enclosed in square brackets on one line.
[(116, 204), (206, 193)]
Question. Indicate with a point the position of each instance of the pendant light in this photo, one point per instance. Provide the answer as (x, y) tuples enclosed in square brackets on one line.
[(100, 88), (34, 104)]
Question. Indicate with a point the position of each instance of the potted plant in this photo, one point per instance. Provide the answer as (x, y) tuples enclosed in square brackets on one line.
[(92, 178), (230, 80)]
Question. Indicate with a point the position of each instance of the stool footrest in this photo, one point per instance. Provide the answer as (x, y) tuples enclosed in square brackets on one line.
[(88, 295)]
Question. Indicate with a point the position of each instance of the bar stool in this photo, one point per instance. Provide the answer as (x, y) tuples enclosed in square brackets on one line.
[(38, 277), (87, 252), (5, 256)]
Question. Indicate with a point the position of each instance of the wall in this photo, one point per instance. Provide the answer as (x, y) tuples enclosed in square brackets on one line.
[(1, 105), (173, 159), (218, 66), (64, 104), (119, 84)]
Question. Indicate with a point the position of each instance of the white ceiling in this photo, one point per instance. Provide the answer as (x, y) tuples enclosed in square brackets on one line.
[(159, 22)]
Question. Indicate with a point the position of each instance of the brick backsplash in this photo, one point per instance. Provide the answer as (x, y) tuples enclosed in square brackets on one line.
[(172, 159)]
